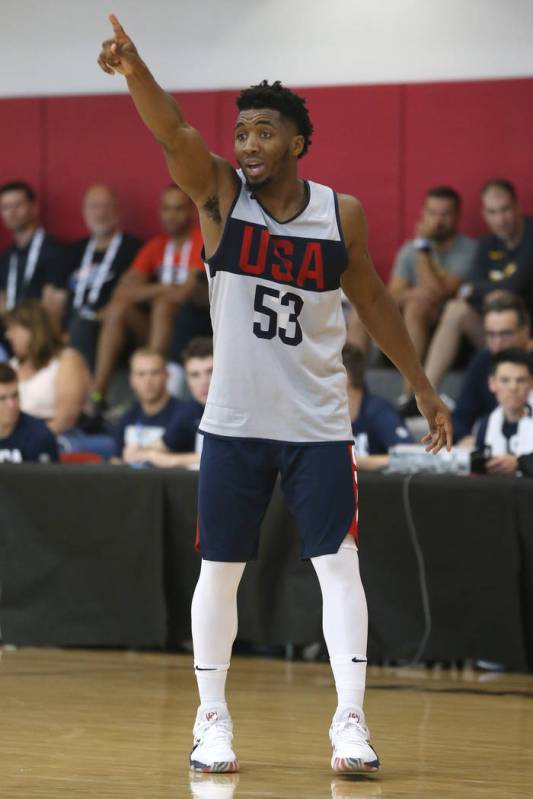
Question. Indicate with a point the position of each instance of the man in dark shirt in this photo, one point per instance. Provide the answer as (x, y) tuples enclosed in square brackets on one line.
[(504, 261), (34, 266), (376, 424), (22, 437), (145, 422), (95, 265), (181, 444), (506, 324)]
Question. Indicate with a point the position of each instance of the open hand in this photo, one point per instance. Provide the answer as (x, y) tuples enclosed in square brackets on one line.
[(439, 421), (118, 54)]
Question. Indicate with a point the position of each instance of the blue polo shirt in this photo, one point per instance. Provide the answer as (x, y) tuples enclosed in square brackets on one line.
[(31, 440), (378, 427)]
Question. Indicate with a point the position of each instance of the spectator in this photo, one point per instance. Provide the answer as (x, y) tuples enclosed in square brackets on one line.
[(181, 444), (162, 278), (34, 266), (53, 380), (504, 261), (22, 437), (148, 418), (376, 424), (506, 324), (508, 431), (95, 265), (428, 270)]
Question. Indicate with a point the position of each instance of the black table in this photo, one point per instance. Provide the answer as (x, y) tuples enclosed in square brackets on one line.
[(104, 556)]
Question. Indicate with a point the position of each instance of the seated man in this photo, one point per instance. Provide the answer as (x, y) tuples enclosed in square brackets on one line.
[(429, 270), (163, 276), (181, 444), (506, 324), (95, 265), (147, 419), (22, 437), (34, 266), (376, 424), (507, 432), (504, 261)]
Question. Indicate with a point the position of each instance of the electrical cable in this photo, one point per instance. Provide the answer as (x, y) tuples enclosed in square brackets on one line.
[(422, 575)]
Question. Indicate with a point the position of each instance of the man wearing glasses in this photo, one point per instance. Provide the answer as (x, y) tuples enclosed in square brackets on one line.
[(506, 324)]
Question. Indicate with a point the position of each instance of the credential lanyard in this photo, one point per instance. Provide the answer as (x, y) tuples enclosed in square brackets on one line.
[(31, 263), (170, 273), (101, 274)]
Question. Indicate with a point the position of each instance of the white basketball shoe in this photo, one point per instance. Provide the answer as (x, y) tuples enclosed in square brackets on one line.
[(212, 749), (350, 740)]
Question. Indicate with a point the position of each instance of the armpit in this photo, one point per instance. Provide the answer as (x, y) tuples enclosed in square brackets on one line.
[(212, 209)]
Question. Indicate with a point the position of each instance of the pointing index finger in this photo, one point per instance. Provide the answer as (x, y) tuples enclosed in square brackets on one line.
[(118, 30)]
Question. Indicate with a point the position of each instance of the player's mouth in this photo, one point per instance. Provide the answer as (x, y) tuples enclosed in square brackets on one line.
[(254, 169)]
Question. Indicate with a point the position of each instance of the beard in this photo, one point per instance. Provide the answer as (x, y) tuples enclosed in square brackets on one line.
[(260, 184), (441, 236)]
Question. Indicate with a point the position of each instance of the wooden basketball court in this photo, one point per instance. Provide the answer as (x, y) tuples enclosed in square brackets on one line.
[(117, 725)]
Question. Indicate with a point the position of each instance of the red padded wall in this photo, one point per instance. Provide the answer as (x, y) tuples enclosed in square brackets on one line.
[(100, 139), (22, 143), (385, 144), (463, 134)]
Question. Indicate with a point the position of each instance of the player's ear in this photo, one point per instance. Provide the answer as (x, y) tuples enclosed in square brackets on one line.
[(298, 144), (492, 383)]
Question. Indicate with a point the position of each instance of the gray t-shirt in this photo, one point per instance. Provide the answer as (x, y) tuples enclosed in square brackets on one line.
[(458, 260)]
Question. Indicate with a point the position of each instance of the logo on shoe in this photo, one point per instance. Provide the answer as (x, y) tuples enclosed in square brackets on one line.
[(354, 716), (212, 715)]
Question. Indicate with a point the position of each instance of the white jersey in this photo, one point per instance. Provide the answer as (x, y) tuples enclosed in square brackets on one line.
[(278, 324)]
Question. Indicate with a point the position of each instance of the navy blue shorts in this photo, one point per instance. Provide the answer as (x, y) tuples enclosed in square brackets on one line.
[(237, 478)]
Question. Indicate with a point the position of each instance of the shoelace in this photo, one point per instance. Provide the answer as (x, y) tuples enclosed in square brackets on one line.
[(351, 731), (219, 731)]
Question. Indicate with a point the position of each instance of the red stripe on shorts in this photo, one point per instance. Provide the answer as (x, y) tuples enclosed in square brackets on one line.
[(197, 538), (353, 529)]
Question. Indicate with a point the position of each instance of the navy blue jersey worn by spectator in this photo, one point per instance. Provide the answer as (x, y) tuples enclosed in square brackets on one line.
[(475, 399), (498, 267), (91, 283), (25, 271), (141, 429), (378, 427), (31, 440), (181, 434)]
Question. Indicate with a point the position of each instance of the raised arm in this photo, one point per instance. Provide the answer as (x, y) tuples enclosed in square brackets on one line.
[(380, 315), (200, 174)]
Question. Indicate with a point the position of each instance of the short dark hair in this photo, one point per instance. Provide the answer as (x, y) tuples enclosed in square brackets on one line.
[(354, 361), (19, 185), (7, 374), (199, 347), (500, 300), (499, 183), (514, 355), (277, 97), (445, 193), (147, 352)]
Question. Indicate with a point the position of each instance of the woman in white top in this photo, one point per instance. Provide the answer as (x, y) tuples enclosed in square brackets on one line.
[(54, 381)]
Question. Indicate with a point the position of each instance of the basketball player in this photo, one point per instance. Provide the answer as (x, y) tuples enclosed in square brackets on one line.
[(278, 250)]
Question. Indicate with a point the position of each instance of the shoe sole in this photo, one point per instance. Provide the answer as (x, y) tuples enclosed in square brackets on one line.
[(351, 765), (223, 767)]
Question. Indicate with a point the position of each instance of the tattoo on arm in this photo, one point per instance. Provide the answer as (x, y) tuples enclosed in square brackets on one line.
[(212, 209)]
